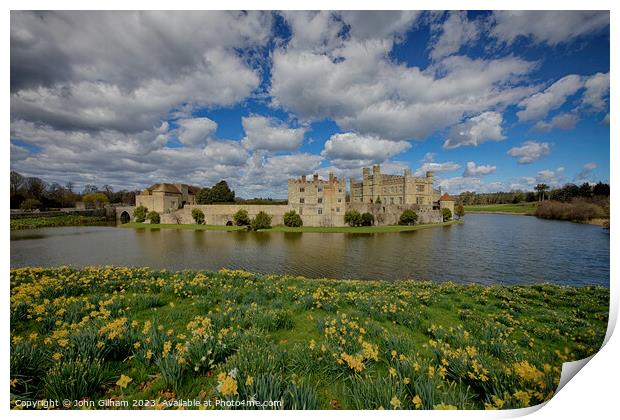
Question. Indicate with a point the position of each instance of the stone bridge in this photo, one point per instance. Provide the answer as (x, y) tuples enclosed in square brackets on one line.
[(124, 214)]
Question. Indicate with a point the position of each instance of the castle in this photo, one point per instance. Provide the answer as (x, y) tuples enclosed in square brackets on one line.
[(319, 202)]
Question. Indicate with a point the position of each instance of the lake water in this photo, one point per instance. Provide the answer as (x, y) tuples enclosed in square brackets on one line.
[(487, 248)]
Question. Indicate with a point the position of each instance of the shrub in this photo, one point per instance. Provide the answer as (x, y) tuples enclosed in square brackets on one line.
[(446, 214), (241, 217), (353, 218), (261, 221), (30, 204), (578, 210), (139, 214), (198, 216), (368, 219), (408, 218), (153, 217), (97, 198), (292, 219), (459, 211)]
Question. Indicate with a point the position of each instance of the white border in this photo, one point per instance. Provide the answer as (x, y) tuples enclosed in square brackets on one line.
[(592, 393)]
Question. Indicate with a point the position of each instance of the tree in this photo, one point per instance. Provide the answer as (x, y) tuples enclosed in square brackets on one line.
[(367, 219), (292, 219), (139, 214), (198, 216), (90, 188), (541, 189), (585, 190), (353, 218), (97, 198), (446, 214), (601, 189), (459, 211), (241, 217), (221, 193), (204, 196), (261, 221), (153, 217), (408, 218), (30, 204)]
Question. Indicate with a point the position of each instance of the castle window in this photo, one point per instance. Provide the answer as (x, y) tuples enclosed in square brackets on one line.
[(302, 200), (319, 189), (302, 189), (400, 200), (340, 190), (337, 209), (320, 200), (419, 200), (391, 200), (420, 188), (320, 211), (340, 200)]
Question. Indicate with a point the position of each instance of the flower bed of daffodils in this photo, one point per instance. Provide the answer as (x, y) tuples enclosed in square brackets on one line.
[(133, 334)]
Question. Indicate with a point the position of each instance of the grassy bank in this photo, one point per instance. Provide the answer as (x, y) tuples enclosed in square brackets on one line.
[(56, 221), (130, 334), (519, 208), (184, 227), (318, 229)]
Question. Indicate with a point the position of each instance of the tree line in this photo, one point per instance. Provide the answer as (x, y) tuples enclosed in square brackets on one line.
[(541, 192), (34, 193)]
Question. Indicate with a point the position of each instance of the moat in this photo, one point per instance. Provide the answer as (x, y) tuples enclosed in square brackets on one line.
[(487, 249)]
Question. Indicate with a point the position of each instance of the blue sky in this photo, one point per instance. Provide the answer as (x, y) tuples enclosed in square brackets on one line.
[(488, 100)]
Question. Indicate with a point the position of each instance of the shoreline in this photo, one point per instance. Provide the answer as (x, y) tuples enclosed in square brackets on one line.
[(303, 229)]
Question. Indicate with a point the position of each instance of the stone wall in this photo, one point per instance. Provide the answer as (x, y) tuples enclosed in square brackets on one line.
[(390, 214)]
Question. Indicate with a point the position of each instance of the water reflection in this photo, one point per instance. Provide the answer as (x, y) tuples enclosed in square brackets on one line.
[(486, 249)]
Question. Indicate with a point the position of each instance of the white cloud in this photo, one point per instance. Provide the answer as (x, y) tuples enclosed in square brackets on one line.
[(473, 170), (352, 146), (270, 134), (18, 152), (230, 153), (457, 185), (530, 151), (552, 27), (455, 31), (359, 87), (564, 121), (553, 178), (585, 172), (437, 167), (476, 130), (597, 91), (539, 104), (196, 131)]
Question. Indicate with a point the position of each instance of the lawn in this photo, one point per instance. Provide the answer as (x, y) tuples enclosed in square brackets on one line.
[(519, 208), (56, 221), (179, 226), (131, 334)]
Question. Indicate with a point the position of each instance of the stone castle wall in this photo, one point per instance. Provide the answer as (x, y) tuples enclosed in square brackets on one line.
[(390, 214)]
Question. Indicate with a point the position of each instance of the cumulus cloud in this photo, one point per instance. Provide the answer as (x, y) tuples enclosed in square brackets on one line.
[(553, 178), (452, 34), (364, 91), (459, 184), (152, 62), (476, 130), (551, 27), (196, 131), (596, 92), (530, 151), (352, 146), (563, 121), (538, 105), (436, 167), (473, 170), (270, 134)]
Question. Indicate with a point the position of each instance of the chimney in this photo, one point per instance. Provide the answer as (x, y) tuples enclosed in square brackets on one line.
[(315, 177), (429, 174), (303, 178), (331, 177)]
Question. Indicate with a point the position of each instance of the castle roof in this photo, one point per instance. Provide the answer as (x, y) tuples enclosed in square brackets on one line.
[(164, 187), (446, 197)]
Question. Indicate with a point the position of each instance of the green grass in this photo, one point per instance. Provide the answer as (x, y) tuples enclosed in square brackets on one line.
[(360, 229), (519, 208), (56, 221), (184, 227), (123, 333)]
